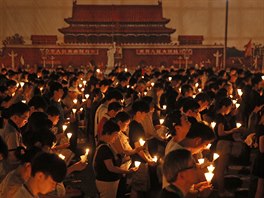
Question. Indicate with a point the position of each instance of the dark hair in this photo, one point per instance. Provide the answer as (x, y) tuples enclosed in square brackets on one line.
[(26, 155), (55, 86), (190, 104), (53, 111), (116, 106), (18, 109), (140, 106), (113, 94), (110, 127), (38, 102), (223, 102), (50, 165), (174, 162), (172, 119), (202, 97), (122, 116), (185, 88), (201, 130)]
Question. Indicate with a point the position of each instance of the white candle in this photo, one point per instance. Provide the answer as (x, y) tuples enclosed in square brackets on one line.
[(81, 109), (141, 142), (213, 124), (61, 156), (240, 92), (80, 85), (196, 85), (75, 101), (200, 90), (210, 168), (215, 156), (87, 151), (209, 176), (237, 105), (128, 86), (161, 120), (87, 96), (155, 158), (145, 93), (24, 101), (152, 84), (125, 69), (98, 70), (74, 110), (238, 124), (69, 135), (208, 146), (164, 107), (170, 78), (64, 127), (84, 82), (201, 161), (83, 100), (22, 84), (137, 164), (234, 101), (262, 77), (83, 158)]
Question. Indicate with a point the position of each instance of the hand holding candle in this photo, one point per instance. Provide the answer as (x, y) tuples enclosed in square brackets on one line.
[(161, 120), (84, 157), (238, 125), (137, 164), (213, 124), (155, 158), (216, 156), (61, 156), (209, 176), (69, 135), (210, 168), (201, 161)]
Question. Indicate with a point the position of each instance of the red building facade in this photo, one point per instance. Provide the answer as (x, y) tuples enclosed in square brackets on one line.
[(139, 32)]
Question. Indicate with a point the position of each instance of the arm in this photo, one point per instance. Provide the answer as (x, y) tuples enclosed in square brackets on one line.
[(222, 132), (115, 169)]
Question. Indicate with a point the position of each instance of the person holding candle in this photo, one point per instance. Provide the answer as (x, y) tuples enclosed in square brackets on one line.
[(136, 132), (107, 163)]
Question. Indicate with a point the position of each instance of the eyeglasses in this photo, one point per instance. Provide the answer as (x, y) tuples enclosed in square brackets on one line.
[(193, 166)]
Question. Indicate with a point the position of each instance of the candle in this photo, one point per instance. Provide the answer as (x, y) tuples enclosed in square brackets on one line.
[(128, 86), (213, 124), (21, 84), (152, 84), (24, 101), (145, 93), (98, 70), (237, 105), (82, 89), (170, 78), (80, 85), (161, 120), (239, 91), (81, 109), (210, 168), (84, 82), (155, 158), (141, 142), (74, 110), (125, 69), (208, 146), (64, 127), (201, 161), (83, 100), (69, 135), (209, 176), (164, 107), (231, 96), (142, 77), (238, 124), (196, 85), (200, 90), (84, 157), (167, 135), (262, 77), (61, 156), (234, 101), (137, 164), (86, 96), (86, 151), (75, 101), (215, 156)]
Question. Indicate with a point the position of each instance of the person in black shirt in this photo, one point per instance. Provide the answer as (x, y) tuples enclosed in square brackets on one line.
[(106, 162)]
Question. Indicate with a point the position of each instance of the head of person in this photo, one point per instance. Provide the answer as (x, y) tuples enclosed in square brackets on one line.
[(140, 109), (187, 90), (113, 96), (199, 136), (203, 100), (224, 105), (11, 87), (104, 85), (53, 114), (123, 120), (191, 108), (114, 108), (180, 167), (110, 130), (150, 101), (46, 171), (56, 90), (178, 124), (73, 92), (19, 113), (37, 103)]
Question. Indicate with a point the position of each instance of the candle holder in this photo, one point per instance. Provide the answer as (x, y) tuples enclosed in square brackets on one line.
[(61, 156), (137, 164), (141, 142), (209, 176)]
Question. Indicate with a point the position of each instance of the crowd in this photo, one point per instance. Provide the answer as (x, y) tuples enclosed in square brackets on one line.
[(167, 129)]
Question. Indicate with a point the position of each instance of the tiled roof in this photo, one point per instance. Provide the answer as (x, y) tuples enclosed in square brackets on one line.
[(116, 13), (102, 30)]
